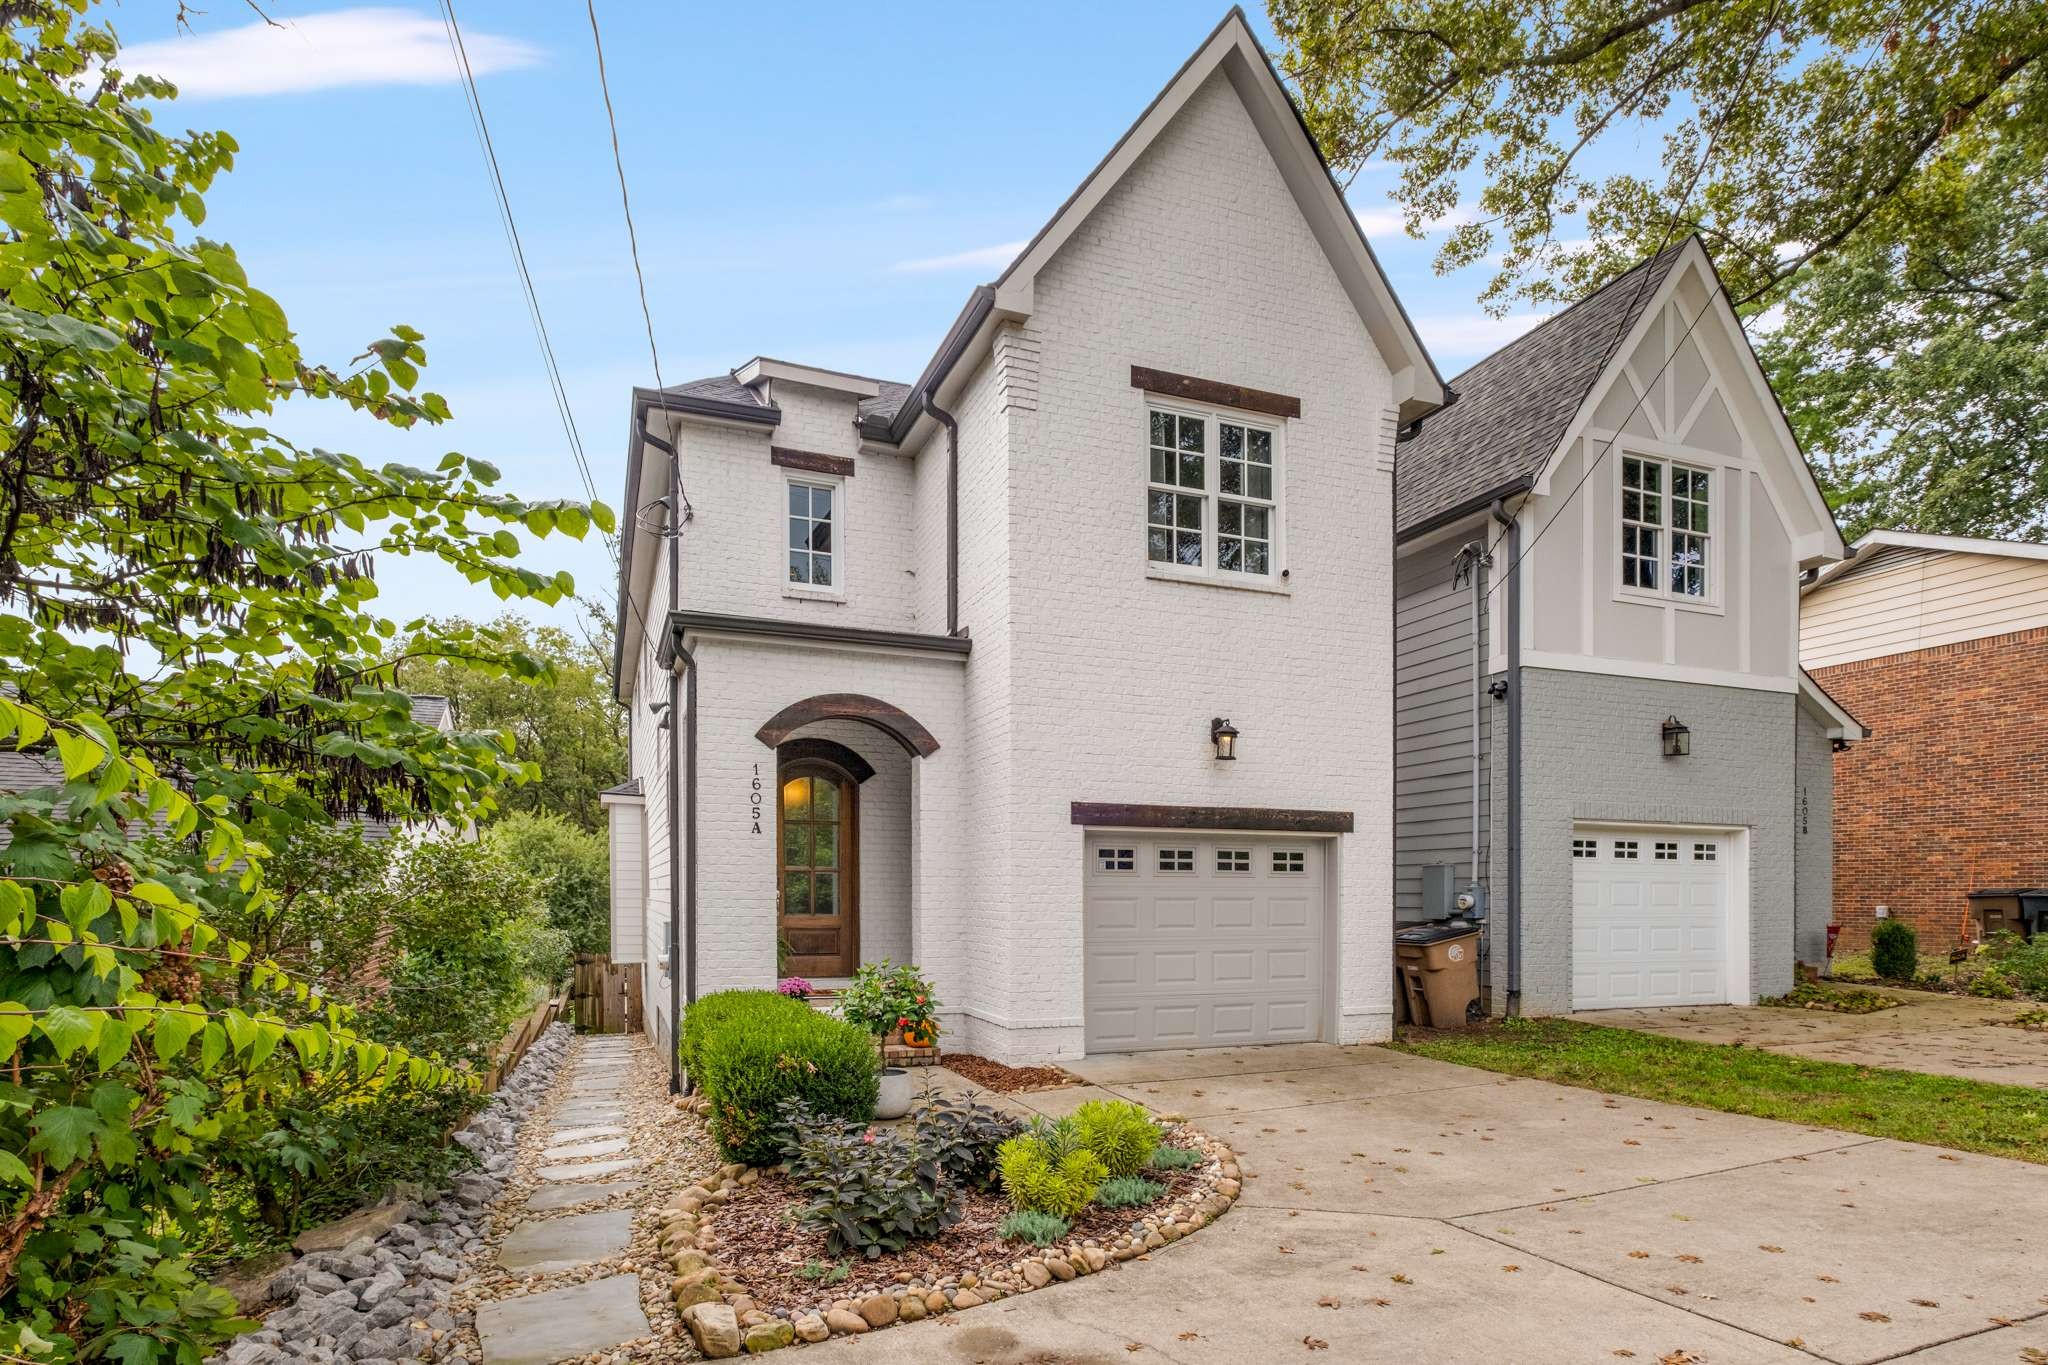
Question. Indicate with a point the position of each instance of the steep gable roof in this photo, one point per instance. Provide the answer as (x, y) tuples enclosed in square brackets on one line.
[(1514, 406)]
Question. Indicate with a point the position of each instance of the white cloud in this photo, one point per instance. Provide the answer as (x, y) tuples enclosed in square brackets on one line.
[(1472, 334), (980, 258), (1389, 222), (322, 52)]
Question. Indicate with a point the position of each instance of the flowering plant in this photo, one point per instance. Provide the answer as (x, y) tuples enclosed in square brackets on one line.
[(885, 998), (914, 1002), (795, 986)]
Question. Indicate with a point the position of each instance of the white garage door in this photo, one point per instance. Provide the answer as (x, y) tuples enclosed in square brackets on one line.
[(1649, 918), (1202, 941)]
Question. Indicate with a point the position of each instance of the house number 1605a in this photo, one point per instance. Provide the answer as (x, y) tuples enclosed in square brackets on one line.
[(754, 799)]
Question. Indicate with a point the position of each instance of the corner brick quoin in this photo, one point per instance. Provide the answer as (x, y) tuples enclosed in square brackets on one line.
[(1945, 797)]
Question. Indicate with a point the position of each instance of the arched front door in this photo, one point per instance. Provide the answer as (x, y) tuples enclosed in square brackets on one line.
[(818, 867)]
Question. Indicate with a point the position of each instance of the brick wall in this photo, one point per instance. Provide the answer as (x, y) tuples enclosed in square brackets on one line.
[(1945, 797)]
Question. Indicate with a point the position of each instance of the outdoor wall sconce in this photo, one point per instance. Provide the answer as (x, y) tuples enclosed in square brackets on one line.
[(1224, 736), (1677, 739)]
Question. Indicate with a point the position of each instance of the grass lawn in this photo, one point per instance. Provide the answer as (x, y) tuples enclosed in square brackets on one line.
[(1944, 1111)]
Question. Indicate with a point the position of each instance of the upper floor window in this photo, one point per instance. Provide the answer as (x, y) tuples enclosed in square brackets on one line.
[(1666, 527), (1212, 496), (810, 535)]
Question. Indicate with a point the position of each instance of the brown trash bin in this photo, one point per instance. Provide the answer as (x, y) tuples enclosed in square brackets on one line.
[(1439, 967), (2017, 910)]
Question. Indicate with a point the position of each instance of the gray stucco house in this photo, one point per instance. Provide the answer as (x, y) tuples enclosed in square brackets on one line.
[(1602, 730)]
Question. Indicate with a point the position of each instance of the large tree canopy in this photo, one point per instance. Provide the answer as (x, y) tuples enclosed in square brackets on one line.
[(1874, 170)]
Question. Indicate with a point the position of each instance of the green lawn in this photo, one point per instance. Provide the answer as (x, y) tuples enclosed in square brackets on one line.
[(1945, 1111)]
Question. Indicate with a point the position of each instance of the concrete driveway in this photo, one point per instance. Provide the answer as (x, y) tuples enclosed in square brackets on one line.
[(1944, 1035), (1399, 1209)]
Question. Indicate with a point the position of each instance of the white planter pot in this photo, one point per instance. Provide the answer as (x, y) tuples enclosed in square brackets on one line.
[(896, 1093)]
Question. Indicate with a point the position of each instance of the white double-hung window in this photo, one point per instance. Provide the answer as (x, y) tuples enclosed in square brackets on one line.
[(1666, 528), (813, 553), (1212, 498)]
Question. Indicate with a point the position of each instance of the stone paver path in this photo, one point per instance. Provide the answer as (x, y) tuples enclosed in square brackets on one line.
[(599, 1314), (1942, 1035)]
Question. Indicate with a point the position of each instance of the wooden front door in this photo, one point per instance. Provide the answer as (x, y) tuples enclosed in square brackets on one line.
[(817, 879)]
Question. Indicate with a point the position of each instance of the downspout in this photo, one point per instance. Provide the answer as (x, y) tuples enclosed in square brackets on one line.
[(1513, 537), (682, 872), (952, 426)]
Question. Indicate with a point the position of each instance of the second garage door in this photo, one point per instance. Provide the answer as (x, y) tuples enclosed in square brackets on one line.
[(1649, 918), (1204, 941)]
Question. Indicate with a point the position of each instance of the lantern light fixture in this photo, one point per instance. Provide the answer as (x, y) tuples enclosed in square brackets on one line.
[(1224, 736), (1677, 739)]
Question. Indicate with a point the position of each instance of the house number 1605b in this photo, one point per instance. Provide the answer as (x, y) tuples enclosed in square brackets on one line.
[(754, 799)]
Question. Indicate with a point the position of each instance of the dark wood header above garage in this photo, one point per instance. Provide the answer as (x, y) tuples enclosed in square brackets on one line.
[(1108, 815)]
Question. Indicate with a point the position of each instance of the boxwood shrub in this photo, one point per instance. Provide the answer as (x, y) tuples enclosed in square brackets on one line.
[(748, 1051)]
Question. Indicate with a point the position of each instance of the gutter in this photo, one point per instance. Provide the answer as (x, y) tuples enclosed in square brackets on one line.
[(952, 426), (1513, 488), (980, 304), (1513, 535)]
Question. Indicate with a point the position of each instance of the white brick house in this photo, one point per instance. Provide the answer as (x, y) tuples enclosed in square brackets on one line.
[(929, 672)]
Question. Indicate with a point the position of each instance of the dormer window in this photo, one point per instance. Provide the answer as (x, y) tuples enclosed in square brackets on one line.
[(811, 546), (1666, 528)]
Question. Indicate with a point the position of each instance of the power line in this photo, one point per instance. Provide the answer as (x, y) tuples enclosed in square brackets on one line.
[(1628, 316), (510, 224), (683, 513)]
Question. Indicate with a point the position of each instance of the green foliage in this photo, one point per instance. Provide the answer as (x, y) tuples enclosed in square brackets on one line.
[(883, 998), (192, 632), (1048, 1169), (1809, 995), (2022, 962), (826, 1274), (963, 1135), (1993, 984), (1878, 177), (759, 1049), (571, 867), (563, 718), (1029, 1225), (1893, 949), (1122, 1134), (869, 1191), (1128, 1192), (1175, 1158)]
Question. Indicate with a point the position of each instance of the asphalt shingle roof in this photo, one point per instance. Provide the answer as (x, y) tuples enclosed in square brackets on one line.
[(1513, 407)]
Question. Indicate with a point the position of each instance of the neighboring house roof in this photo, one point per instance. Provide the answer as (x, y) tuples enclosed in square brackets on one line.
[(1514, 406), (629, 790), (1905, 592), (20, 772), (431, 709), (1869, 551)]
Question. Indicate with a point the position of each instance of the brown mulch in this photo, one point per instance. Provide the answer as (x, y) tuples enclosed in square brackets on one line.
[(1006, 1080), (760, 1243)]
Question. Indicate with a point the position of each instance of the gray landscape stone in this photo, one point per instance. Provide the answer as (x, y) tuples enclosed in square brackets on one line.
[(563, 1243), (367, 1224), (590, 1170), (583, 1151), (539, 1329), (584, 1112), (595, 1130), (548, 1198)]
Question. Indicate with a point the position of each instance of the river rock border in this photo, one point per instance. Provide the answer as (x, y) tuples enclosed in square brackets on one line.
[(724, 1319), (387, 1292)]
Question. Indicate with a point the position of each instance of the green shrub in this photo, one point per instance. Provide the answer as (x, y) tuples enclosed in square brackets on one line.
[(1128, 1192), (1894, 949), (572, 868), (1176, 1159), (760, 1049), (869, 1191), (1047, 1168), (1029, 1225), (2023, 962), (1993, 984), (1122, 1134), (962, 1136)]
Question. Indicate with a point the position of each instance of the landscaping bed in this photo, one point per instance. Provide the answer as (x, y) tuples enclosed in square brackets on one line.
[(1808, 995), (1007, 1080), (1910, 1106)]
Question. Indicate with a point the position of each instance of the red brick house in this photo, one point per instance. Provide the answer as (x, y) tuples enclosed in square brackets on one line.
[(1939, 644)]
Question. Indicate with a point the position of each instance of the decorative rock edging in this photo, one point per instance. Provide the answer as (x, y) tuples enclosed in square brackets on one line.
[(724, 1319), (387, 1295)]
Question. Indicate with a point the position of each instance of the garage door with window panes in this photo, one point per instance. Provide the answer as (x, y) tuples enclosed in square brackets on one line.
[(1649, 918), (1202, 941)]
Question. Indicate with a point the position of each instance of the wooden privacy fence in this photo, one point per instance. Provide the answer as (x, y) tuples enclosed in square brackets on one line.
[(521, 1038), (606, 995)]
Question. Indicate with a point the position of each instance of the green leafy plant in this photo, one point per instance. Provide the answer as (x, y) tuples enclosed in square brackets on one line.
[(1128, 1192), (569, 868), (1029, 1225), (871, 1192), (1166, 1158), (1048, 1168), (963, 1136), (759, 1049), (1808, 995), (1993, 984), (819, 1272), (868, 1002), (1122, 1134), (1894, 949), (2023, 962)]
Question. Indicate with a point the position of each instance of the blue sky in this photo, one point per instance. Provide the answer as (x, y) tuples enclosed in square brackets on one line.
[(819, 182)]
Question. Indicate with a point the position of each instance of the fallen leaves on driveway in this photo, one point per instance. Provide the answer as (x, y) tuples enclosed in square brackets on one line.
[(1766, 1246), (1872, 1315), (1329, 1301), (1315, 1343)]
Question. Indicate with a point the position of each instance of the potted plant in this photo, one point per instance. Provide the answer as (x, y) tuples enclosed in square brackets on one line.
[(794, 986), (868, 1001), (916, 1008)]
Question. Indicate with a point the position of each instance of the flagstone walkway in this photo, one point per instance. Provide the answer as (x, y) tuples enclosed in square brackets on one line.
[(570, 1283)]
